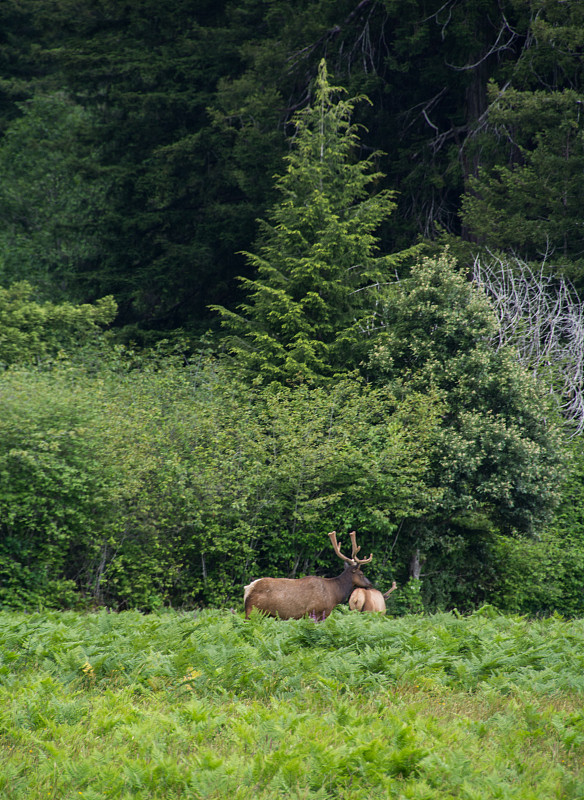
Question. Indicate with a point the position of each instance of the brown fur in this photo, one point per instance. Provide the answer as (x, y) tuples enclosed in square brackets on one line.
[(369, 599), (293, 598)]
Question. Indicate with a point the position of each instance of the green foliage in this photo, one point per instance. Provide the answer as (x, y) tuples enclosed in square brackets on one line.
[(146, 485), (568, 530), (138, 147), (497, 459), (528, 197), (175, 213), (552, 58), (345, 458), (182, 116), (139, 482), (124, 705), (142, 482), (498, 453), (307, 308), (204, 652), (32, 331), (51, 198), (19, 62), (409, 599), (546, 575), (52, 501)]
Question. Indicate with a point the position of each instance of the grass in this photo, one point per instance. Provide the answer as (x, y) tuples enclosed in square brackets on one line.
[(359, 706)]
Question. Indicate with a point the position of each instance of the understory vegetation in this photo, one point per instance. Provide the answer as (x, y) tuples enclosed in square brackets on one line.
[(142, 484), (209, 705)]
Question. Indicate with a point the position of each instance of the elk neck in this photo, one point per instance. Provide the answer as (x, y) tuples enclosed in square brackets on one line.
[(344, 582)]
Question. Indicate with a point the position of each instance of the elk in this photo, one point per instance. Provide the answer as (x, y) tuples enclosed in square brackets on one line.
[(369, 599), (293, 598)]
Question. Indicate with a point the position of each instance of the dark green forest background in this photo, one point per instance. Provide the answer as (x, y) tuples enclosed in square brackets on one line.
[(271, 268)]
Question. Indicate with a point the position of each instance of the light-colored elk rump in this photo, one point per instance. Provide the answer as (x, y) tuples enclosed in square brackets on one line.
[(293, 598), (369, 599)]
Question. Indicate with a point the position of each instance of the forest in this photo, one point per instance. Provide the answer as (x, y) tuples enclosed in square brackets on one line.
[(273, 268)]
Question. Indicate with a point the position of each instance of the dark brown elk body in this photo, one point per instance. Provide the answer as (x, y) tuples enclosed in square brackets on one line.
[(369, 599), (293, 598)]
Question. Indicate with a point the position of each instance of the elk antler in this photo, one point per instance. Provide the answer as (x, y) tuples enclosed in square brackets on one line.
[(353, 560), (356, 549), (335, 544), (393, 588)]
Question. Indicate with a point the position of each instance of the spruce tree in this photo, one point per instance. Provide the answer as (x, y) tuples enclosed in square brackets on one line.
[(308, 304)]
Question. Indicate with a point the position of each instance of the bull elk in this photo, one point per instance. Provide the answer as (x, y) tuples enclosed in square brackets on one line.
[(293, 598), (369, 599)]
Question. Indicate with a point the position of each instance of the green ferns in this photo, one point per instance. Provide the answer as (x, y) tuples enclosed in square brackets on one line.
[(211, 706)]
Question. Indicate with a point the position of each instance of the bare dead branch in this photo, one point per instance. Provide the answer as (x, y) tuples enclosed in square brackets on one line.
[(542, 317), (494, 49)]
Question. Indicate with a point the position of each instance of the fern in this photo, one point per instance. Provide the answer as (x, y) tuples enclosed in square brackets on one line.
[(211, 706)]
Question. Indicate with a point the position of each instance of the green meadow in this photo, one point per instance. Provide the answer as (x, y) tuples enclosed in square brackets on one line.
[(177, 705)]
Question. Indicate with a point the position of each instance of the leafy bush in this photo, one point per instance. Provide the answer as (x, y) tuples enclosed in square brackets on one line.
[(138, 485), (546, 574), (31, 331), (497, 459), (53, 488)]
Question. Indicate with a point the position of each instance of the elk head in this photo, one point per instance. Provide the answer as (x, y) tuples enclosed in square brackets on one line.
[(352, 563)]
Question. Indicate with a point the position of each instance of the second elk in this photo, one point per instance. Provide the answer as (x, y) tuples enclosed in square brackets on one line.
[(369, 599), (293, 598)]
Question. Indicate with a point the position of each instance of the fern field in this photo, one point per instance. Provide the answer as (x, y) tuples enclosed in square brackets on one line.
[(359, 706)]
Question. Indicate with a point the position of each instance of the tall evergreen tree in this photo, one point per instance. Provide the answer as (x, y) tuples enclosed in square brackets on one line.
[(309, 304), (175, 214), (527, 197)]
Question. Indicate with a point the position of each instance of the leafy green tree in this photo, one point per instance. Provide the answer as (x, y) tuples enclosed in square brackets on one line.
[(545, 575), (310, 302), (348, 457), (497, 459), (55, 488), (145, 483), (31, 331)]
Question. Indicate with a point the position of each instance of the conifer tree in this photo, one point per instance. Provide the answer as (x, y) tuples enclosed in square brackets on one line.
[(308, 304)]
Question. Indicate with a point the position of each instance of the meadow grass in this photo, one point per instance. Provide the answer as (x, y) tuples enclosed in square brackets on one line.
[(360, 706)]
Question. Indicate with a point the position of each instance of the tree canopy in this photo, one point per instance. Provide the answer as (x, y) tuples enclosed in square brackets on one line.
[(177, 120)]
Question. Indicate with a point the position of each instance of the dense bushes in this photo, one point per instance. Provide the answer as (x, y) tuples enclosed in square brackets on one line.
[(137, 481), (135, 487)]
